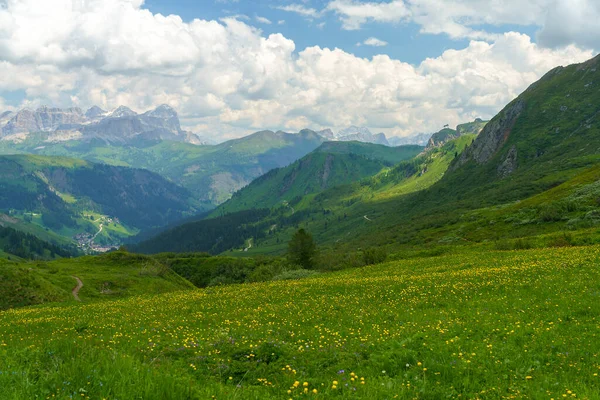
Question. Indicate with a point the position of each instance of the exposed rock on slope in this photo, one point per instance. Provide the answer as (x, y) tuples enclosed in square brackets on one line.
[(494, 135)]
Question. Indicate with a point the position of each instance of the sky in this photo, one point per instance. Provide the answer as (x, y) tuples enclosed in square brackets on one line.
[(232, 67)]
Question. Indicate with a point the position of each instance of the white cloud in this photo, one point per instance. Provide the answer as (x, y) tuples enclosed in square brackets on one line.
[(229, 78), (373, 41), (562, 21), (301, 9), (354, 13), (281, 22), (573, 21), (263, 20)]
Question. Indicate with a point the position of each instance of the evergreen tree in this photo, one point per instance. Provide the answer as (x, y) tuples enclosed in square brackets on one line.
[(302, 249)]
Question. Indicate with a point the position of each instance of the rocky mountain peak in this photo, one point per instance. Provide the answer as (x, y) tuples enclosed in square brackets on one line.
[(95, 112), (327, 134), (162, 111), (353, 130), (361, 134), (122, 111)]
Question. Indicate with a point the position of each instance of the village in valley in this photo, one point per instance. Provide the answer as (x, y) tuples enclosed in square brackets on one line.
[(86, 241)]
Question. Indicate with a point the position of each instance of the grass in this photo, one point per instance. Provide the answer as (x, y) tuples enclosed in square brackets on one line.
[(469, 324), (111, 276)]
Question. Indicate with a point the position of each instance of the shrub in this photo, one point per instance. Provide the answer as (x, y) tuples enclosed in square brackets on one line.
[(374, 255), (564, 240), (295, 274), (522, 244), (336, 261)]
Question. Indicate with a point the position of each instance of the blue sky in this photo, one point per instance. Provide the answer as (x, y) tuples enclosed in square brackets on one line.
[(404, 40), (232, 67)]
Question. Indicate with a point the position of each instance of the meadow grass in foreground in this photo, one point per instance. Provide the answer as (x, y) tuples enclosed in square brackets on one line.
[(487, 325)]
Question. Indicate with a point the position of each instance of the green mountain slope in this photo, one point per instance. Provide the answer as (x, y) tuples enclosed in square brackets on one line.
[(548, 137), (211, 173), (329, 213), (332, 164), (70, 196), (27, 246), (386, 154)]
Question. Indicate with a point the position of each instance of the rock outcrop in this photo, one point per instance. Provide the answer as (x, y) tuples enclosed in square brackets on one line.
[(509, 165), (493, 136)]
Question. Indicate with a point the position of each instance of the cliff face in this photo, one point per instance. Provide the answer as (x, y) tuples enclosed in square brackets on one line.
[(43, 119), (120, 125), (493, 137)]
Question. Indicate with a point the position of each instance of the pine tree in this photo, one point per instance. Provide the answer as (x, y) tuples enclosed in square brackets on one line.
[(302, 249)]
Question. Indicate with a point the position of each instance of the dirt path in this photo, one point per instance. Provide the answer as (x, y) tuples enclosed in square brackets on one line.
[(77, 288)]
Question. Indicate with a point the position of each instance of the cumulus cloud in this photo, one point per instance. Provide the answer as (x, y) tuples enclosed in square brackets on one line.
[(573, 21), (562, 22), (355, 13), (227, 77)]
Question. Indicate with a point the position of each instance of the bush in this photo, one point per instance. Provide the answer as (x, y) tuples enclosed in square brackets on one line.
[(265, 272), (295, 274), (374, 255), (522, 244), (564, 240), (336, 261), (519, 244)]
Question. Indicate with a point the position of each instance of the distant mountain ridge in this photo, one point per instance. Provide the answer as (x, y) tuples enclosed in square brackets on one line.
[(331, 164), (356, 133), (121, 125), (420, 139)]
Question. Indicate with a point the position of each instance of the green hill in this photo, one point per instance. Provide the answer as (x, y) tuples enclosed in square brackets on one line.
[(23, 245), (211, 172), (69, 196), (111, 276), (480, 324), (332, 164)]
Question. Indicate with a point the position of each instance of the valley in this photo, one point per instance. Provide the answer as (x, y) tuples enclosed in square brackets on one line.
[(141, 260)]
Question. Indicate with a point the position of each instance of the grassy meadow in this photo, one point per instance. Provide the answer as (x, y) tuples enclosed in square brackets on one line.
[(469, 324)]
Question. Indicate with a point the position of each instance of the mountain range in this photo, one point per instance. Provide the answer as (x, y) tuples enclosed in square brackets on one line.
[(125, 126), (155, 141), (532, 169), (121, 125), (523, 167)]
